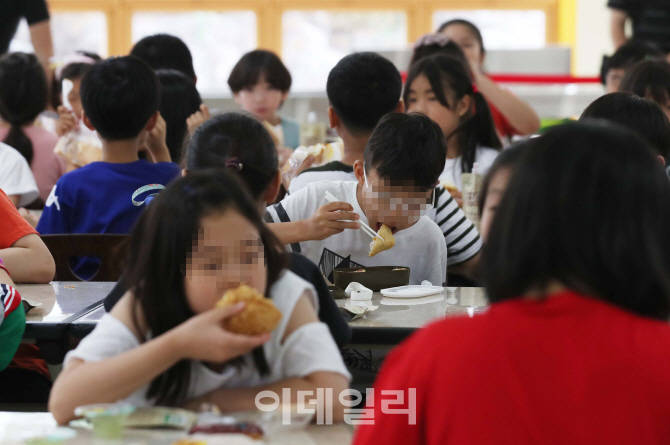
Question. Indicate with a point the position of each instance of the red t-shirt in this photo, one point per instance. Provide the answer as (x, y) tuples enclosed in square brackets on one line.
[(12, 225), (567, 370)]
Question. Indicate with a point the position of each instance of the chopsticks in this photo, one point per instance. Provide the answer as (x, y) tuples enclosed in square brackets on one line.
[(367, 229)]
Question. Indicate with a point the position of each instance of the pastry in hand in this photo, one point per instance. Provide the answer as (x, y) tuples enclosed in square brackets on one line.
[(449, 186), (378, 245), (260, 315)]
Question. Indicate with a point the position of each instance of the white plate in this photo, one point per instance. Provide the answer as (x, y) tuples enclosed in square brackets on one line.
[(412, 291), (411, 301)]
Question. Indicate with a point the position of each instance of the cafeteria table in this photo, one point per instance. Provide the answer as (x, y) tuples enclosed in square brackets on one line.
[(58, 304), (15, 428), (390, 325)]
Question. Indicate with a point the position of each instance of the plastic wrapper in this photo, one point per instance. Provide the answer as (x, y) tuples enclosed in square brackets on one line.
[(472, 185)]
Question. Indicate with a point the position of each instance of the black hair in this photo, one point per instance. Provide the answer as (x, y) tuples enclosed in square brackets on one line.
[(650, 79), (507, 159), (164, 51), (256, 64), (160, 244), (628, 54), (636, 113), (119, 95), (407, 147), (471, 26), (450, 80), (23, 96), (179, 100), (586, 207), (362, 88), (71, 71), (450, 48), (237, 141)]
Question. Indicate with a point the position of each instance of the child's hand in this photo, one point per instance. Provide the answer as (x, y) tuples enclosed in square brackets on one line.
[(66, 121), (197, 119), (155, 144), (287, 176), (458, 197), (203, 337), (330, 220)]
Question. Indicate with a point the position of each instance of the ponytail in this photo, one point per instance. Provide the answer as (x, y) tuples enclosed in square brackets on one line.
[(478, 130), (449, 76), (17, 139), (23, 96)]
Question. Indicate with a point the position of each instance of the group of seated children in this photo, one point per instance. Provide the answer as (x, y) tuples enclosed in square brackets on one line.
[(574, 283)]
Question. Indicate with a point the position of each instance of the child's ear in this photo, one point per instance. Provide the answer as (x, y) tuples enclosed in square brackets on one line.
[(401, 106), (87, 122), (273, 189), (464, 105), (184, 172), (662, 160), (151, 123), (333, 120), (359, 171), (236, 96)]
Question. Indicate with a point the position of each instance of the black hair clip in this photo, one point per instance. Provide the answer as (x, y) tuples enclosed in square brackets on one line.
[(235, 163)]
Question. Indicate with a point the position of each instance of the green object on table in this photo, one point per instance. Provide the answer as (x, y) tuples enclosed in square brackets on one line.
[(108, 426)]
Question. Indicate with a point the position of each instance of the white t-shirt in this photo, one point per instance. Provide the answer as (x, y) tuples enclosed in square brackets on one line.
[(332, 171), (308, 349), (452, 168), (420, 247), (15, 176)]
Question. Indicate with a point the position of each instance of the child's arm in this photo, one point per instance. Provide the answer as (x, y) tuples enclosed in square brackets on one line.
[(106, 381), (156, 146), (241, 399), (519, 114), (618, 27), (29, 260), (330, 219)]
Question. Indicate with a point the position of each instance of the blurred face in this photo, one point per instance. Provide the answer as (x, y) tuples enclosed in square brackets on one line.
[(494, 194), (228, 253), (466, 40), (398, 206), (261, 100), (613, 79), (75, 99), (422, 99)]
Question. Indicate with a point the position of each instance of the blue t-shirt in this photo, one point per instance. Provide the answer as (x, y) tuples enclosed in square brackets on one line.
[(98, 198)]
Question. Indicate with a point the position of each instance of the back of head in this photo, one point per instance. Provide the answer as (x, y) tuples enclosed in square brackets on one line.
[(119, 95), (636, 113), (179, 99), (407, 147), (362, 88), (471, 27), (23, 96), (256, 64), (587, 207), (650, 79), (236, 141), (163, 51), (632, 52), (437, 43)]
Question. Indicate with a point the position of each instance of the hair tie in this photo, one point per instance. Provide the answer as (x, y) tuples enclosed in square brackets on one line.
[(432, 39), (235, 163), (475, 90)]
